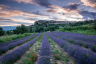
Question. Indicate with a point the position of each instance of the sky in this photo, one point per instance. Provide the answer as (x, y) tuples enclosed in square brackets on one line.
[(17, 12)]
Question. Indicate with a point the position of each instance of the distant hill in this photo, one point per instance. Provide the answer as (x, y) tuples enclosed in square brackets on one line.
[(5, 28)]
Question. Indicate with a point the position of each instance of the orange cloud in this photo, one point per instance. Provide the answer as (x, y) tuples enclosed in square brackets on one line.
[(12, 13), (25, 1), (9, 24), (91, 3), (4, 7), (6, 12)]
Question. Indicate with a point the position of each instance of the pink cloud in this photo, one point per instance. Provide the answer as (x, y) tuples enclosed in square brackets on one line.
[(91, 3), (4, 7)]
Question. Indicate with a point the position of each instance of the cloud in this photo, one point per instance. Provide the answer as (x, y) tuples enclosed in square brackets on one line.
[(52, 10), (11, 13), (14, 13), (25, 1), (19, 17), (8, 24), (73, 7), (71, 10), (4, 7), (91, 3), (4, 19), (87, 14), (6, 12), (44, 3), (15, 22), (38, 13)]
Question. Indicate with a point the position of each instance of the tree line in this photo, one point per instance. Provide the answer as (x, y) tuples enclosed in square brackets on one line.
[(42, 27), (19, 30)]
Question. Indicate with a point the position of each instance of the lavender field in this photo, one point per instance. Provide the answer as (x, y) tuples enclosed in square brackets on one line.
[(50, 48)]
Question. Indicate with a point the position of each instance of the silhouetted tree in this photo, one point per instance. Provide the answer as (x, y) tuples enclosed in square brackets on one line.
[(1, 32), (18, 30), (14, 31), (23, 29)]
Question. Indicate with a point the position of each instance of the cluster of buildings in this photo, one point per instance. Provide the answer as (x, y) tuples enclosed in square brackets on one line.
[(53, 22)]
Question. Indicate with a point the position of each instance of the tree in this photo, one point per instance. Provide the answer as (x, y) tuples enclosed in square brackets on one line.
[(23, 29), (30, 29), (18, 30), (14, 31), (1, 32), (52, 29)]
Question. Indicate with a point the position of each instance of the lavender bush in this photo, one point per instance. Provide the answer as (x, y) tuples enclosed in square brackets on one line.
[(3, 49), (45, 52), (82, 55), (13, 56), (86, 41)]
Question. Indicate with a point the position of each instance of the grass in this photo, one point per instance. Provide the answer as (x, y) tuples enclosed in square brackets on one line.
[(4, 39), (83, 29), (28, 56)]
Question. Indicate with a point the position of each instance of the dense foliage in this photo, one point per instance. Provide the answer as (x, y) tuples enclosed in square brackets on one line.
[(20, 29), (1, 31)]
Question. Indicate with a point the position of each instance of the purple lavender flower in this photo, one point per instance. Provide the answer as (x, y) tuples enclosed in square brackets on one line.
[(45, 52), (82, 55), (13, 56), (3, 49)]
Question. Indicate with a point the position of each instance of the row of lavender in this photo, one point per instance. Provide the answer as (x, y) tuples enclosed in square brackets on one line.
[(83, 37), (82, 55), (4, 44), (86, 44), (45, 52), (3, 49), (13, 56)]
